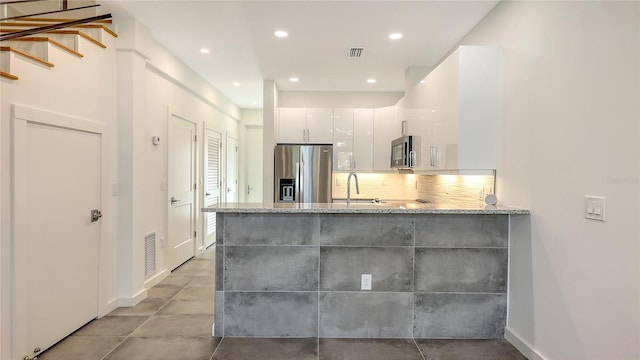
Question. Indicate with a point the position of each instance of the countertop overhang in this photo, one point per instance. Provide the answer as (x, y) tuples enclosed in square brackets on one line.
[(360, 208)]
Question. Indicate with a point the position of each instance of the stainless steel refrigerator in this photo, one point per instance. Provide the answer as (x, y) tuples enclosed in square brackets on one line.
[(303, 173)]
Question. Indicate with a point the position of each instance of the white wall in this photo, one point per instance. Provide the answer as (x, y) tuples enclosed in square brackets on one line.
[(338, 99), (83, 88), (271, 101), (569, 127), (129, 86), (249, 118), (166, 87)]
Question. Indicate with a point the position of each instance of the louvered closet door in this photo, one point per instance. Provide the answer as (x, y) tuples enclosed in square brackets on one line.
[(213, 154)]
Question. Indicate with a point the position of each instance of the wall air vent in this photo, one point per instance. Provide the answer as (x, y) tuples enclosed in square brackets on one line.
[(356, 53), (149, 255)]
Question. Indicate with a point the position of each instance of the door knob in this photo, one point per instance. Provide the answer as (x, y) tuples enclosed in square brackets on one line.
[(173, 200), (95, 215), (207, 194)]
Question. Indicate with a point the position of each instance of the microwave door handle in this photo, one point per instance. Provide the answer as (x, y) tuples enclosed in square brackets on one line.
[(412, 158)]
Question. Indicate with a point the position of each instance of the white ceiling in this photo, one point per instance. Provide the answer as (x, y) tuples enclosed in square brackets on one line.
[(245, 51)]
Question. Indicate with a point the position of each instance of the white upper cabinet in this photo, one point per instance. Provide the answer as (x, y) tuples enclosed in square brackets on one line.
[(352, 139), (298, 126), (459, 99), (343, 156), (292, 125), (320, 126), (385, 121), (362, 139)]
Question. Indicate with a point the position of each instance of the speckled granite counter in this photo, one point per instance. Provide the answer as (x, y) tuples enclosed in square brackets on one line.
[(295, 270), (396, 207)]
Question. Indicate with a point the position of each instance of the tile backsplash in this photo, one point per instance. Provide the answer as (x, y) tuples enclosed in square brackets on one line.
[(435, 188)]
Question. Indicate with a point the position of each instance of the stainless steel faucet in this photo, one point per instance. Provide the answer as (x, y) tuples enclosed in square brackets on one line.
[(349, 186)]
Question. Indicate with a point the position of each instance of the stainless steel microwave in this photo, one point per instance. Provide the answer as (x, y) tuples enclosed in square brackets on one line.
[(404, 152)]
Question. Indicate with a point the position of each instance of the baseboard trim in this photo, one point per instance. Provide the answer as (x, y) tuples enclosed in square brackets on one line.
[(111, 305), (522, 346), (134, 300), (155, 279)]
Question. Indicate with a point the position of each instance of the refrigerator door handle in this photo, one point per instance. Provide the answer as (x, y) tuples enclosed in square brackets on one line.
[(297, 195)]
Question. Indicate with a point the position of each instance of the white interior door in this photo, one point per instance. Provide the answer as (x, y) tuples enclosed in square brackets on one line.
[(57, 177), (231, 175), (182, 165), (253, 164), (213, 180)]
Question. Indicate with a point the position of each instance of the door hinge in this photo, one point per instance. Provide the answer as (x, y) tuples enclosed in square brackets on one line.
[(195, 234), (195, 137), (194, 186), (236, 149)]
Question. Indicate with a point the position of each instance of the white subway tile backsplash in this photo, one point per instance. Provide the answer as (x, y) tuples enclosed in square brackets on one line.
[(435, 188)]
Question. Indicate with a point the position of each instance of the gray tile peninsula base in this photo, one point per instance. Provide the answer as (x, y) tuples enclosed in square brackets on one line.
[(434, 276)]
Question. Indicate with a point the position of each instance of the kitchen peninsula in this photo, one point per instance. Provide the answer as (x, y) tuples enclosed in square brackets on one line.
[(390, 270)]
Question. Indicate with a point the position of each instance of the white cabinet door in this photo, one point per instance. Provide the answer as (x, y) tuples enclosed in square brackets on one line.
[(478, 113), (291, 125), (385, 130), (343, 132), (459, 98), (320, 126), (362, 139)]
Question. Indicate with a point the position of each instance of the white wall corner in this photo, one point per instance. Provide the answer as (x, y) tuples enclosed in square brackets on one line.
[(524, 347), (155, 279), (133, 300)]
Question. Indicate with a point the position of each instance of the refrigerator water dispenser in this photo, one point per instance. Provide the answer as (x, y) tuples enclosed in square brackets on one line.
[(287, 190)]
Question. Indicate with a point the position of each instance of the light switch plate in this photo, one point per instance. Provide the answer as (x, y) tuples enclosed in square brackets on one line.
[(365, 283), (594, 207)]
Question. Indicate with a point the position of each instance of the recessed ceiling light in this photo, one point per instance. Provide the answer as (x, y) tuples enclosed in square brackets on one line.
[(204, 50), (281, 34), (371, 81), (294, 79), (236, 84), (395, 36), (421, 81)]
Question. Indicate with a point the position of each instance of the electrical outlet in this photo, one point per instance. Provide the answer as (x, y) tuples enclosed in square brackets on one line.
[(365, 282), (594, 207)]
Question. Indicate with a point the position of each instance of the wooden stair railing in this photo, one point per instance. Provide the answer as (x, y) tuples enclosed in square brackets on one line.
[(57, 26)]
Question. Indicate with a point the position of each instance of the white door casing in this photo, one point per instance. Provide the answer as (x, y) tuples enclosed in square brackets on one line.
[(213, 181), (182, 175), (253, 165), (231, 173), (58, 178)]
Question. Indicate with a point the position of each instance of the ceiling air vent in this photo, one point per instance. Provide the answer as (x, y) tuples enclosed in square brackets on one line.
[(356, 52)]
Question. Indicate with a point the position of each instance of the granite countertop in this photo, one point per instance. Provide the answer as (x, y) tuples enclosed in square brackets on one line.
[(393, 207)]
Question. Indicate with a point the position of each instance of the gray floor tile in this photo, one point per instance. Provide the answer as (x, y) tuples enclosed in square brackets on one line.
[(81, 348), (195, 267), (112, 326), (207, 255), (145, 307), (188, 307), (176, 280), (368, 349), (267, 349), (182, 348), (469, 350), (163, 292), (176, 325), (202, 281), (198, 293)]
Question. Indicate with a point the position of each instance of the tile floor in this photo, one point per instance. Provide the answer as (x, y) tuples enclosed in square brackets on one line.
[(174, 323)]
